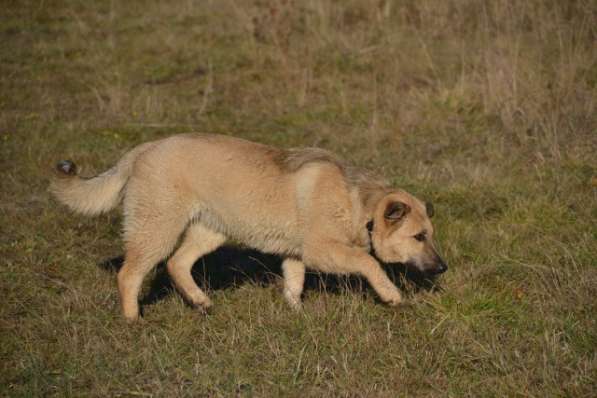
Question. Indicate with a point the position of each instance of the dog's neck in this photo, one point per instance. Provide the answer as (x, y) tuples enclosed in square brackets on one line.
[(366, 200), (369, 200), (370, 225)]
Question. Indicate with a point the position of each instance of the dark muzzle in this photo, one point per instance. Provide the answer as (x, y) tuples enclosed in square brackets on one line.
[(438, 268)]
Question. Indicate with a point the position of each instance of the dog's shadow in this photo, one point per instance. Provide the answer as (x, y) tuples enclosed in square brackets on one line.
[(230, 267)]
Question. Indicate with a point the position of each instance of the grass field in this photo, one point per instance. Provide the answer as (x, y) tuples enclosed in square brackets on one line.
[(488, 109)]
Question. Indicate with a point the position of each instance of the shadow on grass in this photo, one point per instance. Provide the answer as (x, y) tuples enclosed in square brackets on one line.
[(230, 267)]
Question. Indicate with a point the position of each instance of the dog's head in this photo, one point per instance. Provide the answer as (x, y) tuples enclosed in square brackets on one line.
[(402, 233)]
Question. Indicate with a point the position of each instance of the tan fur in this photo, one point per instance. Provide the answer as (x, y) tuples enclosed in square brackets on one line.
[(91, 196), (303, 204)]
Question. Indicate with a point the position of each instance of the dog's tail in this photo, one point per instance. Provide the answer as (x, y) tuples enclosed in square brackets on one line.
[(94, 195)]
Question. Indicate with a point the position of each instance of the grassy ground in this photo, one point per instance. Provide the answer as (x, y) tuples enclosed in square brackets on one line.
[(486, 108)]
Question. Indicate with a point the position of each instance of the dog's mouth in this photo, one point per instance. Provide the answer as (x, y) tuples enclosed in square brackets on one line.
[(432, 267), (431, 271), (435, 270), (427, 270)]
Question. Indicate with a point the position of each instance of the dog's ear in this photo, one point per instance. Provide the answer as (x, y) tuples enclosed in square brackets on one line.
[(429, 209), (395, 211)]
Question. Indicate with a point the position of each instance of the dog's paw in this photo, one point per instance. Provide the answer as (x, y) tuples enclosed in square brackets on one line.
[(394, 301), (204, 306), (293, 300)]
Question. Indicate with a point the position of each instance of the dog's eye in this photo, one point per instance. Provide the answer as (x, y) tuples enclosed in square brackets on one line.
[(421, 236)]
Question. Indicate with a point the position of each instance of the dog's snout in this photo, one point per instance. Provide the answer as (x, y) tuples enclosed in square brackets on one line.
[(439, 268)]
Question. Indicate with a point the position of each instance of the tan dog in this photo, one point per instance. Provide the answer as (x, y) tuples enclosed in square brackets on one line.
[(303, 204)]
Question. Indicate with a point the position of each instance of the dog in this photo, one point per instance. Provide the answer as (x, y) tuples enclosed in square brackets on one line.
[(305, 205)]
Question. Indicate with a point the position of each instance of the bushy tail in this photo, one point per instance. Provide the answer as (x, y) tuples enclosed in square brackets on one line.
[(94, 195)]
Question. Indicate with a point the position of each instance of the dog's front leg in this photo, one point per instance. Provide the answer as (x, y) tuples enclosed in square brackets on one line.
[(294, 279), (339, 258)]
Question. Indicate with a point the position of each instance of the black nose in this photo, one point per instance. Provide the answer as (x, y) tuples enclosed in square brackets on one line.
[(439, 268)]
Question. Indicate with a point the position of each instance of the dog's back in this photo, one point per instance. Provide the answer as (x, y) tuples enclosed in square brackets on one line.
[(252, 193)]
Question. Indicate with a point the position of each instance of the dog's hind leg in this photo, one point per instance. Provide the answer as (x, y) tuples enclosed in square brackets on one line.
[(145, 247), (198, 241), (294, 279), (153, 222)]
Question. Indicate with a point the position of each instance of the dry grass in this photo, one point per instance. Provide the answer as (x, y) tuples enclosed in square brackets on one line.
[(486, 108)]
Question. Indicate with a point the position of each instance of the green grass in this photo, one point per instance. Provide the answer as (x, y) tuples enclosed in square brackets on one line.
[(488, 109)]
